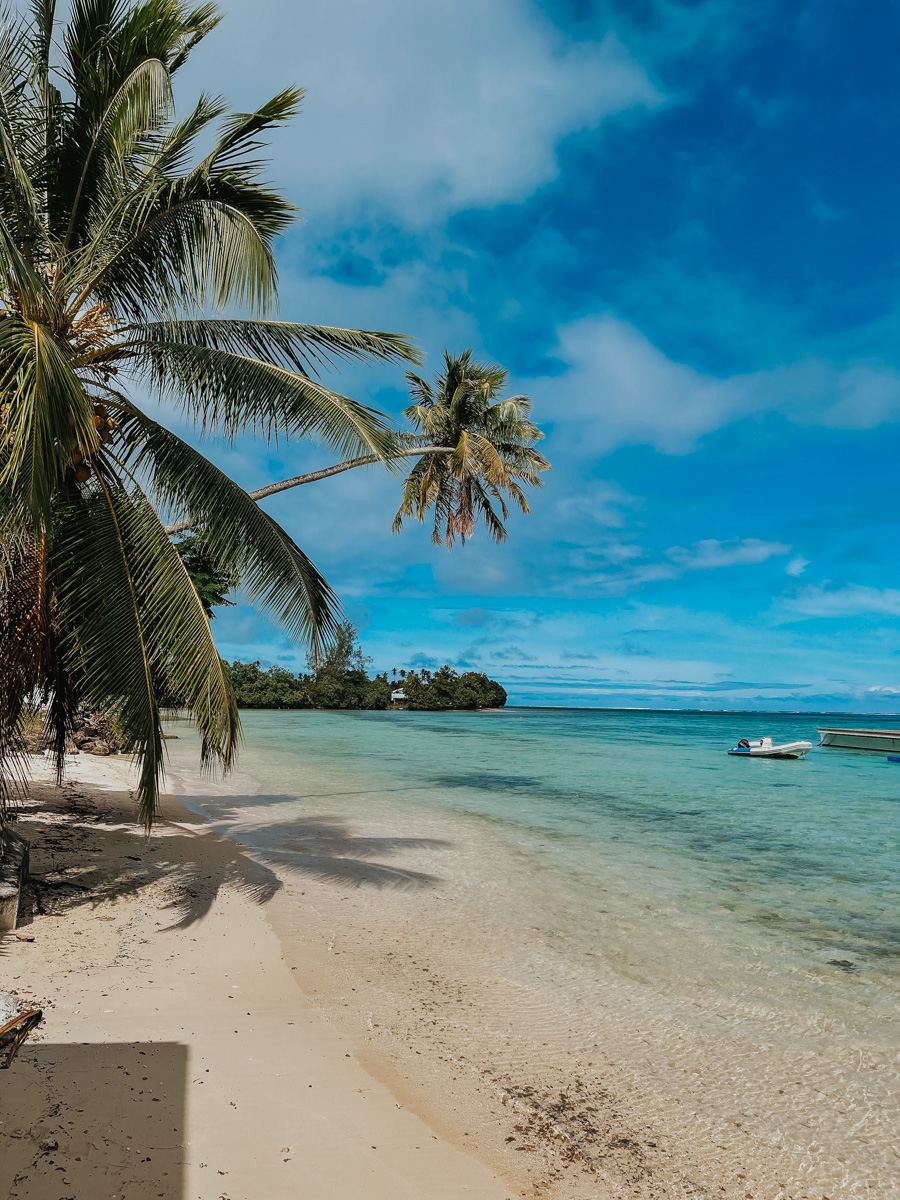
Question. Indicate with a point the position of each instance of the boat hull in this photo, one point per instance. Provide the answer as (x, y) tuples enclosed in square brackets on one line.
[(754, 753), (765, 749), (884, 741)]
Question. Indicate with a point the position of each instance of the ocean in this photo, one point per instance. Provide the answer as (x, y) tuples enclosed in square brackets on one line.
[(740, 918)]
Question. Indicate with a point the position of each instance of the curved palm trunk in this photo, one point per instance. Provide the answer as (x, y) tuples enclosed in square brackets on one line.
[(311, 476)]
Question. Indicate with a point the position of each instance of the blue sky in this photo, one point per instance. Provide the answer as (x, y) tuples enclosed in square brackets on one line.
[(676, 225)]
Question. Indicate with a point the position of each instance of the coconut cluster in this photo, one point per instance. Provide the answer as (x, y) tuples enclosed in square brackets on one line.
[(106, 427)]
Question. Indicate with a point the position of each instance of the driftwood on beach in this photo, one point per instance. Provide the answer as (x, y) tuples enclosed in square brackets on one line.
[(15, 1026)]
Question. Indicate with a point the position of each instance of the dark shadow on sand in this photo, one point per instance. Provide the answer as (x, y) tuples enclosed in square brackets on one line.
[(78, 1122), (322, 846), (71, 855)]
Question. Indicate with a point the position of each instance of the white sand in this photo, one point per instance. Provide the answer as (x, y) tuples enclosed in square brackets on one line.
[(178, 1059)]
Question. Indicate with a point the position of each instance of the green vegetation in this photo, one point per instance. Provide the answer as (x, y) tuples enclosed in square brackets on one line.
[(446, 689), (492, 442), (212, 583), (339, 679)]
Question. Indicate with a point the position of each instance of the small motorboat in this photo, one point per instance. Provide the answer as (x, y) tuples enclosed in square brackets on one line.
[(765, 748)]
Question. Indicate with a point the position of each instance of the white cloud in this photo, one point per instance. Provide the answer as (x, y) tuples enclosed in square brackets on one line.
[(422, 108), (614, 568), (621, 389), (599, 502), (711, 554), (851, 600), (797, 565)]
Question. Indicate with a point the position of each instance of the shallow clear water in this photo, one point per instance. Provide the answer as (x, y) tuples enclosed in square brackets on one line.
[(633, 836), (709, 945)]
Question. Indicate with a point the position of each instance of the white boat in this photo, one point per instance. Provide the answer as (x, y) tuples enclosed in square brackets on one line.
[(765, 748), (885, 740)]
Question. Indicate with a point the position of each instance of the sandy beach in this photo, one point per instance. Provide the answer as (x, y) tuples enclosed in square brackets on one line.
[(178, 1056)]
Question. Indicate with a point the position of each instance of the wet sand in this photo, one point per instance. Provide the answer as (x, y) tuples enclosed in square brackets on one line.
[(428, 943)]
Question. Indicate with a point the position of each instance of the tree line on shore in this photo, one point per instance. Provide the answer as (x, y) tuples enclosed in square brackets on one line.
[(339, 679)]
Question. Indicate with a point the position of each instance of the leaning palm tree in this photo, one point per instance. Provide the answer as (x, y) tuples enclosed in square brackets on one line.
[(124, 252), (476, 450), (473, 447)]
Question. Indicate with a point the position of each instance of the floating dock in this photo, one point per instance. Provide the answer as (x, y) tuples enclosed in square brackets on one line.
[(884, 740)]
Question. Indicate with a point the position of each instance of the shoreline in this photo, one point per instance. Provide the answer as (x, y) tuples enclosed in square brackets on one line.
[(450, 1027), (426, 935), (148, 958)]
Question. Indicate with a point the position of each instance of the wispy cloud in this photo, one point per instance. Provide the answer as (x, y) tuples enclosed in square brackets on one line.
[(616, 568), (620, 389), (849, 600), (710, 554), (599, 502)]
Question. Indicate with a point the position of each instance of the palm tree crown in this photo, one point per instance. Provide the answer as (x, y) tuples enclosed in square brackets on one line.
[(491, 450), (121, 246)]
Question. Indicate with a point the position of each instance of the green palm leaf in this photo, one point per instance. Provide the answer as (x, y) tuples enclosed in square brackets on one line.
[(295, 346), (150, 638), (274, 572), (229, 393), (490, 451)]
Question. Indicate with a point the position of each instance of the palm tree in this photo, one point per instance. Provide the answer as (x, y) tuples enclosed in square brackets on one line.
[(121, 247), (480, 450), (470, 451)]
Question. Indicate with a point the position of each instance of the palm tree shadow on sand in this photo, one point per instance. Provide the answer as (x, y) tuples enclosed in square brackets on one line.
[(88, 858), (320, 846)]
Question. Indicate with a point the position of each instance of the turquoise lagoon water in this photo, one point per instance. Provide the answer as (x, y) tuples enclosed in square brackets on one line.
[(718, 938), (633, 834)]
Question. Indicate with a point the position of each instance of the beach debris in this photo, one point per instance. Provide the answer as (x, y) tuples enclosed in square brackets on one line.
[(15, 1025), (22, 936), (568, 1127)]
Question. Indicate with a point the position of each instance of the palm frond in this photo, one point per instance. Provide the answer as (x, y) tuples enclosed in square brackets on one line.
[(240, 133), (44, 393), (273, 571), (293, 345), (229, 394), (141, 102), (172, 153), (19, 202), (162, 250), (150, 639)]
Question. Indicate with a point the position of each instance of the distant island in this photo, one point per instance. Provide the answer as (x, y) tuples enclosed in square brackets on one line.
[(340, 679)]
